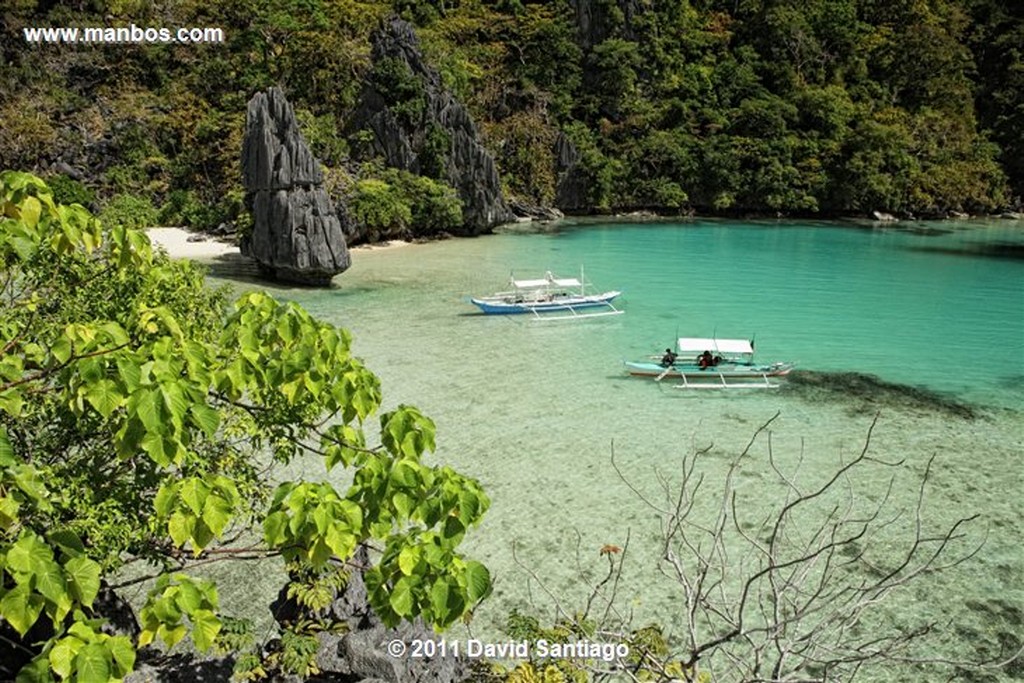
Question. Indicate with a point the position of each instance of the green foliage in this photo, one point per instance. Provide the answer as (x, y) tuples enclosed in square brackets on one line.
[(171, 600), (323, 135), (402, 91), (433, 158), (129, 210), (399, 204), (69, 191), (184, 208), (799, 91), (137, 419), (380, 207), (298, 653)]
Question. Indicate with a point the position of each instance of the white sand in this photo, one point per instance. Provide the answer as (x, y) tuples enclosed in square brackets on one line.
[(176, 242), (391, 244)]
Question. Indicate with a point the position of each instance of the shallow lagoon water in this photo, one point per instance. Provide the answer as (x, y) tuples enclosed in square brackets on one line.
[(535, 410)]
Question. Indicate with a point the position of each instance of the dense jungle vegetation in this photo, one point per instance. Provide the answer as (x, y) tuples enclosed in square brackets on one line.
[(771, 106)]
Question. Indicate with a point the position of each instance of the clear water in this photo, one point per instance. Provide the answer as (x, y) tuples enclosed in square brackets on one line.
[(535, 410)]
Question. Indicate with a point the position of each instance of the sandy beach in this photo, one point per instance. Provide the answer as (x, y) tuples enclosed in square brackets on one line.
[(178, 243), (182, 243)]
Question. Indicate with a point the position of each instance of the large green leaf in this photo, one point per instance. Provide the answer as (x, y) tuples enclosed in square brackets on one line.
[(175, 400), (28, 554), (189, 597), (409, 559), (84, 579), (50, 583), (275, 526), (478, 581), (61, 349), (205, 627), (21, 607), (341, 542), (67, 541), (166, 497), (63, 654), (93, 664), (404, 474), (402, 599), (7, 457), (149, 407), (104, 396), (30, 211), (194, 492), (180, 527), (123, 652), (162, 450), (440, 595), (205, 417), (216, 514)]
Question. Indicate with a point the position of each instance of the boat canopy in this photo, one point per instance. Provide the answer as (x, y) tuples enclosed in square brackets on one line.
[(548, 281), (689, 345)]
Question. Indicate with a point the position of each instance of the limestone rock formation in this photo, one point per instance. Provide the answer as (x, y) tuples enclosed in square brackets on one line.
[(598, 20), (416, 125), (571, 194), (297, 236)]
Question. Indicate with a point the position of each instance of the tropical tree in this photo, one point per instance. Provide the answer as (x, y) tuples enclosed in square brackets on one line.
[(141, 419)]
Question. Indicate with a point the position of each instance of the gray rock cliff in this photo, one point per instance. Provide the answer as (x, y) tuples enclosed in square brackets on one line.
[(297, 236), (416, 125), (572, 191), (598, 20)]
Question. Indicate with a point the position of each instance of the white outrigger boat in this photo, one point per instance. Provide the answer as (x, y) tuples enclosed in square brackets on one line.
[(701, 363), (547, 295)]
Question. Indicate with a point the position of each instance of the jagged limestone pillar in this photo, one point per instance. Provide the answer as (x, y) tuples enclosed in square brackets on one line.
[(296, 235)]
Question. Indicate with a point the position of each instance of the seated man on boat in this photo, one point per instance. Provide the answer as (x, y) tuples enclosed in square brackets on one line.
[(705, 360), (669, 358)]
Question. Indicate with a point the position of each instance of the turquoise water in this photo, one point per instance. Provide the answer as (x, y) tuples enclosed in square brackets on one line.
[(536, 410), (897, 304)]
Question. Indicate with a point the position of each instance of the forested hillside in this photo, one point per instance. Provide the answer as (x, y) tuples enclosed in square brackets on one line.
[(799, 107)]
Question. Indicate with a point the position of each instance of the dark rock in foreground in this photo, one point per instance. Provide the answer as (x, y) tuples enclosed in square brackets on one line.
[(359, 649), (297, 235)]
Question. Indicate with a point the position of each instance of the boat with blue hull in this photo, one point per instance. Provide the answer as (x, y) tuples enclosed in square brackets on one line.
[(709, 363), (549, 298)]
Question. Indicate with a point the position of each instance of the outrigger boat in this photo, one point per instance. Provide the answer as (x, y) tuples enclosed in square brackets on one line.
[(547, 295), (711, 364)]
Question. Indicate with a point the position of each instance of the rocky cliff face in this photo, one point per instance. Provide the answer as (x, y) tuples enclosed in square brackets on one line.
[(598, 20), (297, 236), (414, 124), (571, 194)]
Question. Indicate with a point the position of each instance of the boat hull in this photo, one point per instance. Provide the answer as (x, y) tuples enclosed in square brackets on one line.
[(691, 371), (569, 303)]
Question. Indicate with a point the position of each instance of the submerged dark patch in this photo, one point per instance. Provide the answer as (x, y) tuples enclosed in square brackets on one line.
[(870, 392), (1001, 250)]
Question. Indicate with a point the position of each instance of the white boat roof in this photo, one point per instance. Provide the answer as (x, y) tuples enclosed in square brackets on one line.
[(547, 281), (698, 344)]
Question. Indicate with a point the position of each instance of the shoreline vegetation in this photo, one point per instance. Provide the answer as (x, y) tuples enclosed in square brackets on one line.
[(180, 242), (820, 110)]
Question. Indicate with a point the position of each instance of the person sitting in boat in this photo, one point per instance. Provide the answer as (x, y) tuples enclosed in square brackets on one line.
[(669, 358), (705, 360), (718, 359)]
